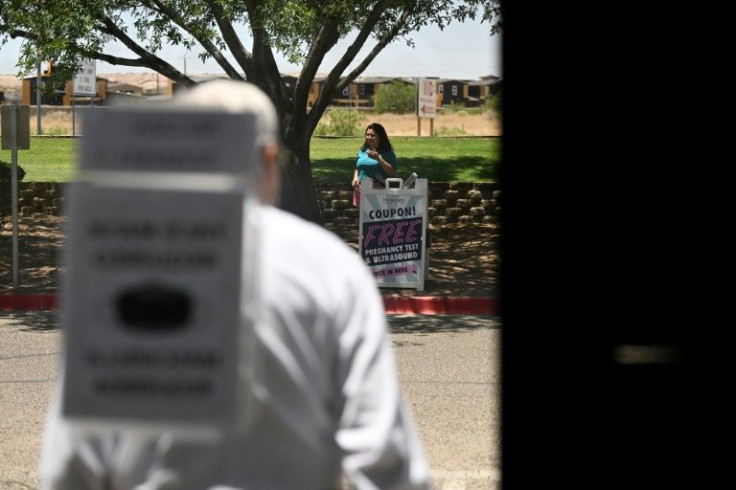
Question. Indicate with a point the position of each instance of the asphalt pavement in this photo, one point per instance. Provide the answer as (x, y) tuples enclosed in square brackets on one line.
[(449, 370)]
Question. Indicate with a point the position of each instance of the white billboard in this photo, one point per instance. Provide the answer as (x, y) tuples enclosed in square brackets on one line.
[(426, 98), (85, 81)]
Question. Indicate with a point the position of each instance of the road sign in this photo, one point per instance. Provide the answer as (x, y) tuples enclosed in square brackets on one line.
[(18, 122), (426, 98), (85, 81)]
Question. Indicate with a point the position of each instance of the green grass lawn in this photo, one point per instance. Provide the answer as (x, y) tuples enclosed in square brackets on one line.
[(435, 159), (466, 159), (47, 160)]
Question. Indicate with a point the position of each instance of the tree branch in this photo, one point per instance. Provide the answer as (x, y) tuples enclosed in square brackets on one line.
[(117, 60), (405, 15), (265, 72), (326, 38), (241, 54), (204, 42), (15, 32), (145, 58), (331, 83), (357, 45)]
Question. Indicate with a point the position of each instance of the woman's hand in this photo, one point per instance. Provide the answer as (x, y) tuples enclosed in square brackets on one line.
[(373, 154), (356, 182)]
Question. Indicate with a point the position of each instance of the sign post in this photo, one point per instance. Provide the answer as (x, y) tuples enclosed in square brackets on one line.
[(151, 300), (16, 136), (393, 230), (426, 103)]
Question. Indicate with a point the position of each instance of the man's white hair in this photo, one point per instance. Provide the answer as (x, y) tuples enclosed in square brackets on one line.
[(237, 97)]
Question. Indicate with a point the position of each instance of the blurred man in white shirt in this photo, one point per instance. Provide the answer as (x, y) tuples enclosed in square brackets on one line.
[(326, 400)]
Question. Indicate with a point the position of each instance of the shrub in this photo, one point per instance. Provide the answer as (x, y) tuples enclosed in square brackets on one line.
[(55, 131), (340, 122), (5, 192), (493, 102), (6, 172), (396, 97), (453, 107), (445, 131)]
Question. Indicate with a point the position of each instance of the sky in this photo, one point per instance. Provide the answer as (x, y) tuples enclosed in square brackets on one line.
[(461, 50)]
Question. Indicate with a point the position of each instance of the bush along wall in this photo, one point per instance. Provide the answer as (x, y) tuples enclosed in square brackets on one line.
[(448, 203), (6, 191)]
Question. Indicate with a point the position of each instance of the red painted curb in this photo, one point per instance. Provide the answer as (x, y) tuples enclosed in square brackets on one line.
[(28, 302), (394, 305), (439, 305)]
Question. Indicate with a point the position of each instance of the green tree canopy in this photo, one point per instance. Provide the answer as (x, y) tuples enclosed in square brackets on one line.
[(251, 32)]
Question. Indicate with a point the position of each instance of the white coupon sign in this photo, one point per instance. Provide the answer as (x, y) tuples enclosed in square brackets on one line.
[(393, 224)]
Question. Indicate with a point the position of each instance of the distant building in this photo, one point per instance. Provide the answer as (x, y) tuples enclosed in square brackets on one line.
[(451, 91), (359, 93), (477, 92), (62, 94), (315, 88), (125, 88)]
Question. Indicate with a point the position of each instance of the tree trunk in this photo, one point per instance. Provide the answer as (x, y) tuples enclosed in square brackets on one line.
[(297, 186)]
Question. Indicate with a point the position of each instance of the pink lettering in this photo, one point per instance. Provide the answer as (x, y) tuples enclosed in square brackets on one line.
[(392, 234), (411, 233), (386, 232), (399, 235), (370, 235)]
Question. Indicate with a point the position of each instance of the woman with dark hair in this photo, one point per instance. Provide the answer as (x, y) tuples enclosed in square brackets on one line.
[(375, 162)]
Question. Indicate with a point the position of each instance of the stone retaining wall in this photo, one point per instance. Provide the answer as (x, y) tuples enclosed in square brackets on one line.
[(448, 202)]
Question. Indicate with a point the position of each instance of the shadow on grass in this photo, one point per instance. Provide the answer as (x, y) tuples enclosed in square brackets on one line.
[(460, 169)]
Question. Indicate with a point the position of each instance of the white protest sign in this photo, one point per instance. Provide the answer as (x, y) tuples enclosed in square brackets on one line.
[(426, 98), (151, 305), (85, 80), (151, 298), (155, 140), (393, 227)]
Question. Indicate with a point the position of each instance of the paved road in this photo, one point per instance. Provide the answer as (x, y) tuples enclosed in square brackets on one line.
[(29, 355), (448, 368)]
